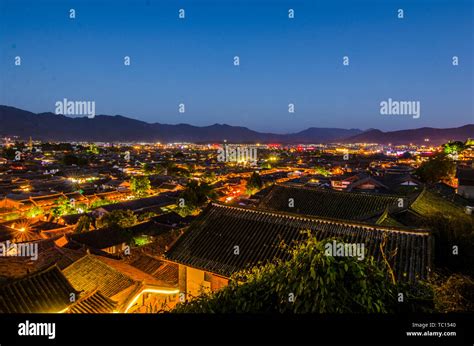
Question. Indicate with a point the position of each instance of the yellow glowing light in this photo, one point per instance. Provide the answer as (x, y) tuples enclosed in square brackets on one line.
[(150, 290)]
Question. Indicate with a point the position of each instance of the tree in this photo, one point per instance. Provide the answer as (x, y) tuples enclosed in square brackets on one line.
[(209, 177), (140, 185), (454, 148), (63, 206), (9, 153), (93, 149), (452, 232), (147, 169), (322, 171), (254, 183), (146, 216), (117, 218), (406, 155), (436, 169), (100, 202), (84, 224), (311, 282), (194, 196), (34, 212)]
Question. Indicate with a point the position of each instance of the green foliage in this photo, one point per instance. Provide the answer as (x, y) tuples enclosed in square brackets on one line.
[(93, 149), (101, 202), (118, 218), (11, 216), (140, 185), (453, 293), (436, 169), (254, 183), (63, 206), (146, 216), (209, 177), (34, 212), (310, 282), (322, 171), (84, 224), (454, 148), (451, 230), (141, 240), (194, 196)]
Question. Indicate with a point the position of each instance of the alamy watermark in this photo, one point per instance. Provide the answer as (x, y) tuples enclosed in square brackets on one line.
[(28, 328), (391, 107), (237, 153), (338, 249), (8, 249), (67, 107)]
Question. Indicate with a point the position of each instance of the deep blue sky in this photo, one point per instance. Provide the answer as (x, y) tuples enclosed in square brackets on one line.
[(282, 60)]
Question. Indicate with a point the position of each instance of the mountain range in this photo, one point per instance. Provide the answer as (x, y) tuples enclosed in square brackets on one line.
[(117, 128)]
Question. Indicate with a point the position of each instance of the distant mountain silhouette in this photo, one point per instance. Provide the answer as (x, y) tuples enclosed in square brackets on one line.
[(106, 128), (415, 136)]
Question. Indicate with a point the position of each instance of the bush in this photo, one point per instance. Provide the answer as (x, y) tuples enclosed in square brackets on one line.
[(118, 218), (452, 231), (453, 293)]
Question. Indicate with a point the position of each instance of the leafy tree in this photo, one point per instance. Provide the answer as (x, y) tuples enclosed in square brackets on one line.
[(179, 155), (454, 148), (101, 202), (322, 171), (449, 231), (84, 224), (254, 183), (118, 218), (194, 196), (406, 155), (93, 149), (311, 282), (141, 240), (209, 177), (148, 169), (34, 212), (146, 216), (140, 185), (453, 293), (63, 206), (436, 169), (9, 153)]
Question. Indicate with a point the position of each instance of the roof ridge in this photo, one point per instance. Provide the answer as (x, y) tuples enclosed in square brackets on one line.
[(317, 189), (325, 220)]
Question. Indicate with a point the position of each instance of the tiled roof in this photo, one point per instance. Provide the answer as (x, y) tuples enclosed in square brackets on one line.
[(93, 303), (90, 274), (210, 241), (163, 271), (327, 203), (16, 266), (147, 264), (101, 238), (46, 291)]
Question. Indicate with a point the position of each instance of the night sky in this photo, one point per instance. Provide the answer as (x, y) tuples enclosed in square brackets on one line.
[(282, 60)]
